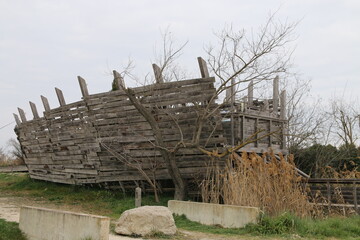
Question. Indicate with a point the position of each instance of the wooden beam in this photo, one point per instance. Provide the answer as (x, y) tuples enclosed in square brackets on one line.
[(203, 68), (60, 97), (250, 93), (17, 120), (34, 110), (256, 143), (83, 87), (45, 103), (276, 94), (158, 74), (283, 104), (119, 80), (22, 115)]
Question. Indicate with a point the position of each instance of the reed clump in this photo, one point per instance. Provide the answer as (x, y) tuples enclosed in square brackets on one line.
[(269, 182)]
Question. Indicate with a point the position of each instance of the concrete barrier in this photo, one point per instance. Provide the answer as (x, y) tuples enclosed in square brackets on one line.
[(227, 216), (47, 224)]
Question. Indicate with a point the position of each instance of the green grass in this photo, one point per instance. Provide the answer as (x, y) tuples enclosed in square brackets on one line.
[(10, 231), (113, 203), (285, 225), (183, 223), (92, 200)]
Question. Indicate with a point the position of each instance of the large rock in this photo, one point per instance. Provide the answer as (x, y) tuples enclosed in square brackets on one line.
[(146, 220)]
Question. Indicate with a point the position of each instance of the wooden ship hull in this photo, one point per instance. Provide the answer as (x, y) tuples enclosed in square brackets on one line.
[(70, 144)]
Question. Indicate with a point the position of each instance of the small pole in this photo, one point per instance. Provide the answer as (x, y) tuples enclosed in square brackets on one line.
[(45, 103), (34, 110), (328, 193), (203, 68), (83, 87), (355, 199), (22, 115), (119, 80), (137, 197), (250, 93), (158, 74), (276, 95), (17, 120), (60, 96)]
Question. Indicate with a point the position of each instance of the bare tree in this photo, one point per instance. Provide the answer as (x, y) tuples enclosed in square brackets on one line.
[(345, 116), (240, 58), (3, 157), (15, 149), (305, 114), (166, 56)]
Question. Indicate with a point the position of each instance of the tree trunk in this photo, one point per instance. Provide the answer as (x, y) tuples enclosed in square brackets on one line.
[(174, 172), (169, 157)]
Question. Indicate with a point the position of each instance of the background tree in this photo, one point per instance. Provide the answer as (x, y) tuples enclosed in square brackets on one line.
[(15, 149)]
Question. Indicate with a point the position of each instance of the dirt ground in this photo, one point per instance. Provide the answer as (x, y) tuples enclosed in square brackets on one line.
[(10, 211)]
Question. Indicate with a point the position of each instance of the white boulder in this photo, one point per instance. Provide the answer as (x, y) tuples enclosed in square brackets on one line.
[(145, 221)]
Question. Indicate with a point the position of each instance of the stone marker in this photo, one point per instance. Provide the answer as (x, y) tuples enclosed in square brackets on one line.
[(145, 221), (137, 197)]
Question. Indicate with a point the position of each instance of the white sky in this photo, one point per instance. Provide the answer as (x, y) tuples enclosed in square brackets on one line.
[(47, 44)]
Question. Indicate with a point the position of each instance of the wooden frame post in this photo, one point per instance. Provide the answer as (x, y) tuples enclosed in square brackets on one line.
[(83, 87), (158, 73), (17, 120), (283, 105), (34, 110), (45, 103), (203, 68), (22, 115), (276, 94), (355, 199), (250, 93), (60, 97), (119, 80)]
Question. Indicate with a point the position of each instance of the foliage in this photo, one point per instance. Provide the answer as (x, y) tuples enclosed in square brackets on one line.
[(316, 158), (259, 181), (284, 223), (10, 231)]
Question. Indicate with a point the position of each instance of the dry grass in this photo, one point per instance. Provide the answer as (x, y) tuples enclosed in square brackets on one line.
[(260, 181)]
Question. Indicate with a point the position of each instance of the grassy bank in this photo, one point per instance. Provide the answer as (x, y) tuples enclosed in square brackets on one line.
[(286, 226), (10, 231), (90, 200), (113, 203)]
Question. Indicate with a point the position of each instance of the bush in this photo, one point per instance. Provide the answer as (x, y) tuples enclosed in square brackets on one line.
[(265, 181)]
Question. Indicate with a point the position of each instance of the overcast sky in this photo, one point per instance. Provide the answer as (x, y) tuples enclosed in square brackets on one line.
[(47, 44)]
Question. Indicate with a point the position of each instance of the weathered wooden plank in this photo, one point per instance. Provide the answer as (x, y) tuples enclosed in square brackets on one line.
[(119, 80), (158, 73), (22, 115), (60, 97), (45, 103), (276, 94), (34, 110), (83, 87), (283, 105), (203, 68), (17, 120), (250, 93)]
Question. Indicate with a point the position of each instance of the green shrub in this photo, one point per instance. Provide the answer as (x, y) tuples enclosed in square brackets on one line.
[(284, 223)]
